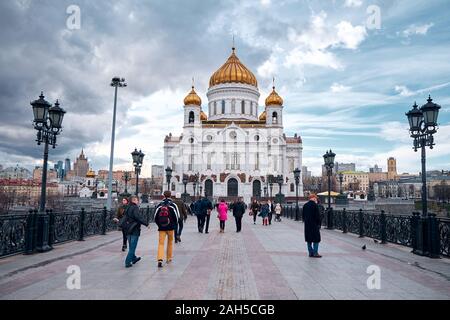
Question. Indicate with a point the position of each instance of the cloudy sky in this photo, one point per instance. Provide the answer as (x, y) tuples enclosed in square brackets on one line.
[(346, 77)]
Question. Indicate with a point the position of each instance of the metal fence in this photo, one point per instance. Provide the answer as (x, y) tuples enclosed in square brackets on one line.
[(425, 235), (24, 232)]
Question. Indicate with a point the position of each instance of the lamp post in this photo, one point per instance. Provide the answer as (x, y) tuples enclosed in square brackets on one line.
[(297, 172), (329, 164), (422, 126), (138, 158), (185, 182), (341, 178), (116, 82), (126, 177), (48, 123), (270, 180), (168, 176)]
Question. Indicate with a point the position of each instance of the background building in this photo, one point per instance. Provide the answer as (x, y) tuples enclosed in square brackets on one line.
[(81, 165), (392, 168)]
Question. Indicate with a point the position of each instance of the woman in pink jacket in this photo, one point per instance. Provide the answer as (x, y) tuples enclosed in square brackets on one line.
[(222, 214)]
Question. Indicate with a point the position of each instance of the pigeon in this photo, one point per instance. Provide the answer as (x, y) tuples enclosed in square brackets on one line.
[(364, 247), (375, 240)]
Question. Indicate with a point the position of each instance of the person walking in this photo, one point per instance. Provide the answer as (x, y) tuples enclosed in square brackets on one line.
[(278, 212), (131, 223), (197, 209), (206, 207), (222, 214), (271, 211), (265, 210), (238, 212), (120, 214), (166, 217), (254, 208), (312, 221), (182, 210)]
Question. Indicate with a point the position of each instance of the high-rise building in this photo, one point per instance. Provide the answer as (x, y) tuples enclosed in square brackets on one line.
[(67, 165), (305, 173), (81, 165), (392, 168), (376, 169)]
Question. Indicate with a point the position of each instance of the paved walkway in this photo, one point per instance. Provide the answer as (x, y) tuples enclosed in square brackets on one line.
[(258, 263)]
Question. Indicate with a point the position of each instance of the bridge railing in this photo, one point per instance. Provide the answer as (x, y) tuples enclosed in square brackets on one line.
[(29, 232), (428, 236)]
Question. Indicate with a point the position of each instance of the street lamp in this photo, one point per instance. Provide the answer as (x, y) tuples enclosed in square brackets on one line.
[(138, 158), (126, 178), (116, 82), (422, 126), (48, 123), (185, 182), (168, 176), (270, 179), (329, 164), (297, 172), (341, 178)]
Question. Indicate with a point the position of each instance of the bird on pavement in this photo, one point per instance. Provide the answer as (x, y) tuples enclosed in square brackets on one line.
[(364, 247), (375, 240)]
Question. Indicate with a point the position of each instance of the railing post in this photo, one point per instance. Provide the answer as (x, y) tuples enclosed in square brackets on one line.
[(361, 223), (383, 235), (417, 230), (344, 221), (82, 218), (30, 232), (330, 221), (104, 214), (42, 232), (434, 241), (51, 228)]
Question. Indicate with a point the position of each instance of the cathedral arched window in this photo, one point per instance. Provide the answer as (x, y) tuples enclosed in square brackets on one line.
[(223, 106), (191, 117), (233, 106), (243, 107), (292, 187), (251, 108), (274, 118), (215, 107)]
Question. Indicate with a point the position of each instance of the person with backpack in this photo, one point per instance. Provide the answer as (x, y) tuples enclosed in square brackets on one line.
[(131, 225), (120, 214), (265, 209), (166, 218), (222, 214), (182, 209), (254, 208), (238, 212)]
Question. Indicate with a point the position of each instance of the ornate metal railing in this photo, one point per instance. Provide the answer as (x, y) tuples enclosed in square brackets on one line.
[(24, 232), (12, 233), (399, 229)]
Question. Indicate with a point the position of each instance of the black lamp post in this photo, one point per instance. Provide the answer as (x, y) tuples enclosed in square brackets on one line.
[(185, 182), (329, 164), (126, 178), (297, 172), (422, 126), (270, 180), (138, 158), (341, 178), (168, 177), (48, 123)]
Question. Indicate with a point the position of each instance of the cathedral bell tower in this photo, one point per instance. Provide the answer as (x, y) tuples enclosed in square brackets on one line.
[(273, 115), (193, 114)]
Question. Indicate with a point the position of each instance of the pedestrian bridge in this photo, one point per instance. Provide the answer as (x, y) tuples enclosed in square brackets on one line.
[(261, 262)]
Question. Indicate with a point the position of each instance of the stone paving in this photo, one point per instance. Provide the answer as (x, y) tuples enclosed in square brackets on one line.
[(258, 263)]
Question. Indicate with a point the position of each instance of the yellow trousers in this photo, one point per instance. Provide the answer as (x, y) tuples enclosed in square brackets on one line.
[(162, 240)]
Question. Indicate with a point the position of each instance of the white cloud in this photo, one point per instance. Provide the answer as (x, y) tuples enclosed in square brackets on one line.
[(416, 29), (337, 87), (404, 91), (350, 36), (353, 3), (269, 68), (265, 3)]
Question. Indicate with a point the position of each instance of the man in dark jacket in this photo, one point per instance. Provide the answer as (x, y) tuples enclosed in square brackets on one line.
[(312, 221), (206, 211), (182, 209), (197, 209), (255, 207), (166, 217), (134, 221), (238, 212)]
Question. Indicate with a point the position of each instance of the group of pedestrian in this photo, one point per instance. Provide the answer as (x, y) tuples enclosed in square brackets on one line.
[(265, 210)]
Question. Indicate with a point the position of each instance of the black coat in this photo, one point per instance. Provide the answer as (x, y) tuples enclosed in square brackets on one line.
[(133, 214), (312, 221), (238, 209)]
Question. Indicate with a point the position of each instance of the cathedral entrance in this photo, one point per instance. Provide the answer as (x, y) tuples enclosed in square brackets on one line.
[(256, 188), (208, 188), (233, 188)]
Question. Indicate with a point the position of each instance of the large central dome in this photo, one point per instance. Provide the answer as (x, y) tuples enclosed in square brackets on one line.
[(233, 71)]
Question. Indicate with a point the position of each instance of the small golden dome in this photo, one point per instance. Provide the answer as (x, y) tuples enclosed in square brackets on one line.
[(90, 174), (203, 116), (274, 98), (233, 71), (192, 98), (263, 116)]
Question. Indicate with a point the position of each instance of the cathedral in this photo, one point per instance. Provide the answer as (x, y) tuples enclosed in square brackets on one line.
[(233, 149)]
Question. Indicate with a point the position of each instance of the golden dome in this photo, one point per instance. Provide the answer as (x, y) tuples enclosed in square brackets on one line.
[(263, 116), (274, 98), (203, 116), (90, 174), (192, 98), (233, 71)]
